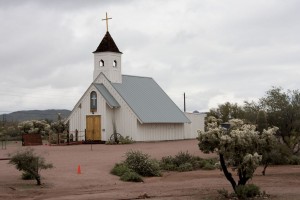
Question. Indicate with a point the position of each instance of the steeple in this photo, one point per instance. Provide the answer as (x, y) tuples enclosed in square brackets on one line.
[(107, 44), (107, 58)]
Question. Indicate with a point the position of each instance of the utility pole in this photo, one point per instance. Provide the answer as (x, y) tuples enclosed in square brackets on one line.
[(184, 106)]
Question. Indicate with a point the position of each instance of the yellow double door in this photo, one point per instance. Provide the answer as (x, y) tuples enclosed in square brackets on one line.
[(93, 128)]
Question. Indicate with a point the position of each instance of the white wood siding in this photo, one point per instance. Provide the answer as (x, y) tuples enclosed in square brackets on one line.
[(197, 123), (160, 132), (77, 118), (112, 73), (126, 120), (109, 123)]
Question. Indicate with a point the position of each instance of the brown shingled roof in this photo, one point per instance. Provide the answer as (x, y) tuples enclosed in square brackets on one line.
[(107, 44)]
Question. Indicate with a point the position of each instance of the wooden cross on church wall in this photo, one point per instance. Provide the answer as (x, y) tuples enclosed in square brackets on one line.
[(106, 19)]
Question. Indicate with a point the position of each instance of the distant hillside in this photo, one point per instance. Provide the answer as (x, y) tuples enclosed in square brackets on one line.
[(34, 114)]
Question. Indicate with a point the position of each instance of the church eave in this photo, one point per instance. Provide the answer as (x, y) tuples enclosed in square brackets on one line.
[(107, 52)]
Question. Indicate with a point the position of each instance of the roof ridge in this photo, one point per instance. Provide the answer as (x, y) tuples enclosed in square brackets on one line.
[(137, 76)]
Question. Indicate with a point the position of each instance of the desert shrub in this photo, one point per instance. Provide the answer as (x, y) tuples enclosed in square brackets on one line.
[(120, 140), (131, 176), (224, 193), (247, 191), (185, 167), (198, 164), (30, 163), (182, 158), (167, 163), (184, 161), (27, 176), (278, 155), (294, 160), (110, 142), (120, 169), (126, 140), (208, 166), (142, 163)]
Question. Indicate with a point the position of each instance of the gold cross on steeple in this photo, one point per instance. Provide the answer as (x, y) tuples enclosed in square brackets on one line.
[(106, 22)]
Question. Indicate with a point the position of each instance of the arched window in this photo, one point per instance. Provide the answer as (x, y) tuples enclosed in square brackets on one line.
[(93, 101), (115, 63), (101, 63)]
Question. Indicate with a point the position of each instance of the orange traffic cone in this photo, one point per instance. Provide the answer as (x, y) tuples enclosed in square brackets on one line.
[(78, 170)]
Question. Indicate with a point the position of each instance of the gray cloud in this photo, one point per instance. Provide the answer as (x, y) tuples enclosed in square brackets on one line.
[(214, 51)]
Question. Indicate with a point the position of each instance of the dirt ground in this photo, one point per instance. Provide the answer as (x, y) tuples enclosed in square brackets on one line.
[(95, 182)]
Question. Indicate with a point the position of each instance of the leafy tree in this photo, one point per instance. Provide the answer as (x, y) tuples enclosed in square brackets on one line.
[(274, 152), (251, 110), (261, 121), (237, 147), (30, 163), (226, 111), (281, 108), (9, 129), (283, 111)]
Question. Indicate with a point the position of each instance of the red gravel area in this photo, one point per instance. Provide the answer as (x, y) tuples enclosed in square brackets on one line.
[(95, 181)]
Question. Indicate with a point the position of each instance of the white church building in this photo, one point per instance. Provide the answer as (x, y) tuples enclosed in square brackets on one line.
[(133, 106)]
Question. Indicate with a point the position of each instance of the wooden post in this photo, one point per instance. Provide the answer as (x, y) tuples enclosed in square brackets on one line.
[(76, 135), (3, 144)]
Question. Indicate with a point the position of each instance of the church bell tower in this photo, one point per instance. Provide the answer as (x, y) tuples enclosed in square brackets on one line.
[(107, 58)]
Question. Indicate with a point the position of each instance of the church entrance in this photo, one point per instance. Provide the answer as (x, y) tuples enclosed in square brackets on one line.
[(93, 128)]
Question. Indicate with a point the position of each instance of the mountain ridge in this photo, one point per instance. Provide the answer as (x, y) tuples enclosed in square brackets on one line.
[(23, 115)]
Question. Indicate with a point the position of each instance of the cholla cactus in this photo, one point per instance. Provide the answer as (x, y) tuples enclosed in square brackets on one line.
[(236, 123), (238, 147), (34, 126)]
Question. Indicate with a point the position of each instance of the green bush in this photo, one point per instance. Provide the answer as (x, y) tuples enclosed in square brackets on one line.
[(121, 140), (142, 164), (131, 176), (182, 158), (167, 163), (120, 169), (185, 167), (110, 142), (224, 194), (183, 161), (208, 166), (29, 162), (294, 160), (247, 191), (198, 164), (27, 176), (126, 140)]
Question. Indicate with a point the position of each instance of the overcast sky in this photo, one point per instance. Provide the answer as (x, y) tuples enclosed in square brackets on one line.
[(213, 50)]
